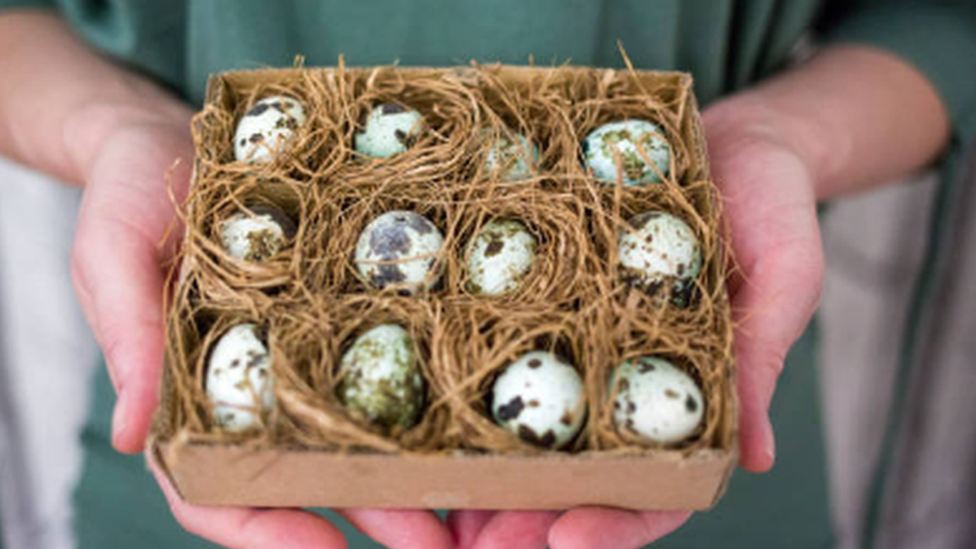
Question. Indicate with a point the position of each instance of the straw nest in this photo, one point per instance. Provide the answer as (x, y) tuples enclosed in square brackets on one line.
[(312, 302)]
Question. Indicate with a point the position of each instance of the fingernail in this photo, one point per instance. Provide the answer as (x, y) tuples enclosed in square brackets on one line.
[(770, 442), (119, 419)]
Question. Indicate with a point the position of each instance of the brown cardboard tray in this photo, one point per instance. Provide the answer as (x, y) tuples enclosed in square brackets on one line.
[(239, 474)]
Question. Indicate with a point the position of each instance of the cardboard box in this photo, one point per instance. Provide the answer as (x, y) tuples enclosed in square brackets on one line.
[(208, 473)]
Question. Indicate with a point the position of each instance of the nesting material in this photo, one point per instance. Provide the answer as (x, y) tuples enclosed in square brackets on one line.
[(313, 299)]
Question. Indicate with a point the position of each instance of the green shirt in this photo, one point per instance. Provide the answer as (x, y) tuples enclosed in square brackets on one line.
[(725, 44)]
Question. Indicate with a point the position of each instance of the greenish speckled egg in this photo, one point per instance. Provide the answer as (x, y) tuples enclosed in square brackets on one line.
[(511, 160), (627, 139), (387, 130), (267, 128), (660, 251), (381, 382), (656, 400), (239, 381), (501, 254)]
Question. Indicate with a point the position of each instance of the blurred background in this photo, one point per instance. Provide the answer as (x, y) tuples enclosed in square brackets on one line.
[(876, 245)]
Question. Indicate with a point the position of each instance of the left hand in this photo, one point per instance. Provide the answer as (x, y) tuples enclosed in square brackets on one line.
[(770, 210)]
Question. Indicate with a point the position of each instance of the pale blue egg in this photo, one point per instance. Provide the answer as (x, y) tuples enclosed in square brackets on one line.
[(389, 129)]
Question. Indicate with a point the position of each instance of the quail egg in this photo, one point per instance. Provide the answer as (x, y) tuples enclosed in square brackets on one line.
[(513, 160), (381, 381), (656, 400), (387, 130), (634, 141), (399, 249), (500, 255), (540, 398), (659, 251), (239, 381), (267, 128), (257, 234)]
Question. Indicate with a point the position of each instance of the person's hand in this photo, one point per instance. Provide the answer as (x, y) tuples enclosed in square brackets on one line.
[(123, 243), (769, 206)]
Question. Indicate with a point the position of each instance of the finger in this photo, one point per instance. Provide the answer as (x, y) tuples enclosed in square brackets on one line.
[(602, 528), (516, 530), (396, 529), (466, 525), (116, 270), (247, 528), (772, 307)]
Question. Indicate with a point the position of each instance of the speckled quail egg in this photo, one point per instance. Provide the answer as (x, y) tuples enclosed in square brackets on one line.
[(399, 249), (540, 398), (660, 250), (387, 130), (512, 159), (656, 400), (381, 381), (499, 257), (239, 381), (267, 128), (601, 147), (256, 235)]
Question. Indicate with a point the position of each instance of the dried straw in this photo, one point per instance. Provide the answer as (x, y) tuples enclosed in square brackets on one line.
[(313, 303)]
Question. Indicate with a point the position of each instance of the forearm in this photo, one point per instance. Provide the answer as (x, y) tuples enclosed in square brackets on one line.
[(54, 89), (856, 116)]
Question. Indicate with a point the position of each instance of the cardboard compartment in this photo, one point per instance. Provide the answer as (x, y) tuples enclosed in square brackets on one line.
[(232, 475), (209, 468)]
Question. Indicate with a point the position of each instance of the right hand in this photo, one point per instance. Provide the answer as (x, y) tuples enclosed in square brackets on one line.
[(125, 239)]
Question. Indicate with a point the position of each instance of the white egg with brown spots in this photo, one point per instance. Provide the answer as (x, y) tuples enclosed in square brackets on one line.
[(659, 251), (511, 159), (399, 249), (500, 256), (643, 155), (387, 130), (380, 379), (239, 380), (256, 234), (656, 400), (268, 129), (539, 397)]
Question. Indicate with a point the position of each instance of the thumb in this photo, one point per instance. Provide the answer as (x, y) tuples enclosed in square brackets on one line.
[(770, 210), (117, 261)]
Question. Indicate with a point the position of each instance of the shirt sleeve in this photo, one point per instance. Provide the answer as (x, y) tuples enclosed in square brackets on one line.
[(937, 37)]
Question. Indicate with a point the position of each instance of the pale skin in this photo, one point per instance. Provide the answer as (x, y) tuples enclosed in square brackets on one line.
[(849, 119)]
